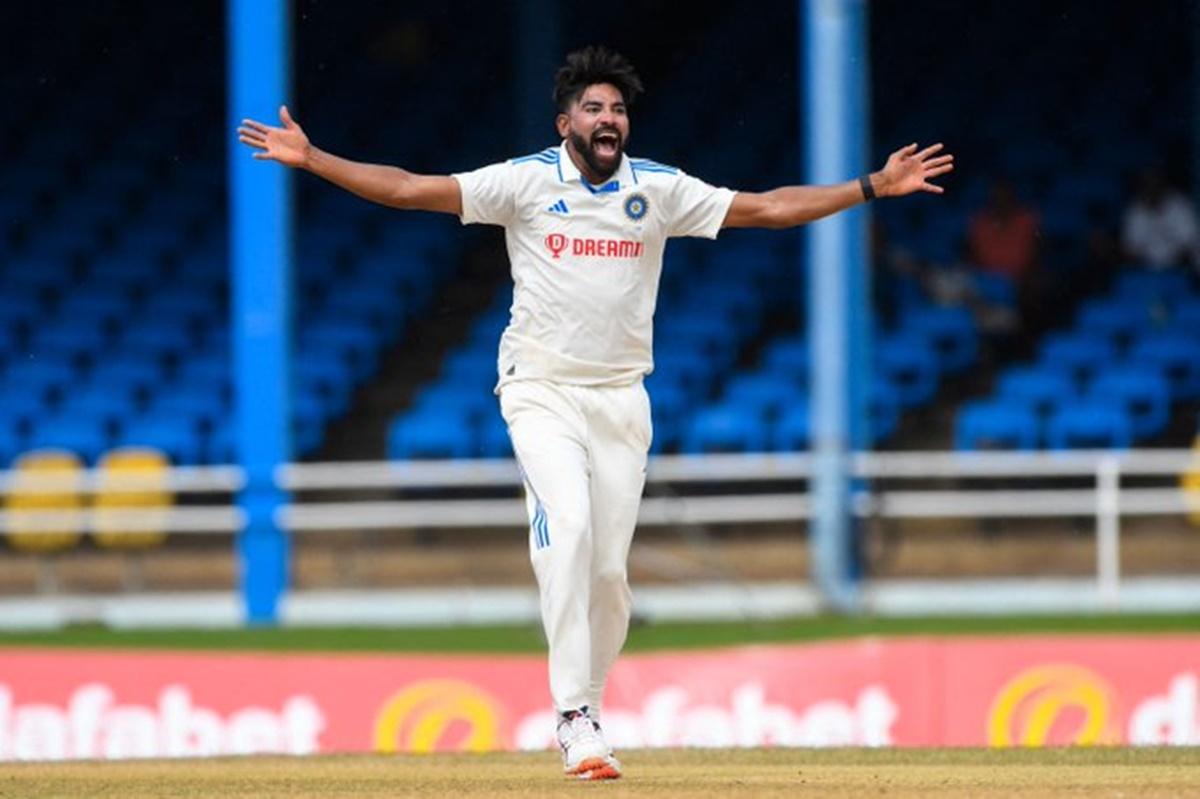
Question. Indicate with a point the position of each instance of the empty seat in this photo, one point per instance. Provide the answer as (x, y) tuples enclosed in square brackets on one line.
[(950, 329), (1077, 354), (431, 434), (790, 357), (1117, 319), (1090, 424), (1144, 391), (116, 494), (33, 474), (172, 434), (1177, 355), (86, 436), (1044, 388), (765, 394), (910, 365), (793, 429), (494, 441), (997, 424), (725, 428)]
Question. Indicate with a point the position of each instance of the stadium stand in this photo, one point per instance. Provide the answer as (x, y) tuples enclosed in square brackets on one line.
[(114, 308)]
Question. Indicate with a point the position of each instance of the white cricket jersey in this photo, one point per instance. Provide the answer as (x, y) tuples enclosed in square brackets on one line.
[(586, 260)]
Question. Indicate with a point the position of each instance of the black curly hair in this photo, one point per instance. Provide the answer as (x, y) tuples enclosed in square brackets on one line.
[(590, 66)]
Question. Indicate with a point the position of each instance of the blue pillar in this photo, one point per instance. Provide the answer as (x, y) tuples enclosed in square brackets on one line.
[(538, 53), (260, 223), (836, 126)]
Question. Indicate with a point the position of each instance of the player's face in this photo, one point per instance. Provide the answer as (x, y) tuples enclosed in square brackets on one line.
[(597, 128)]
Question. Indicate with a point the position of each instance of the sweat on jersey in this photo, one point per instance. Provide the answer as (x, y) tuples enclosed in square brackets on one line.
[(586, 259)]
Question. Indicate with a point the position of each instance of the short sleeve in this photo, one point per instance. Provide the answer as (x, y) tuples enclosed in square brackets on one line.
[(697, 209), (487, 195)]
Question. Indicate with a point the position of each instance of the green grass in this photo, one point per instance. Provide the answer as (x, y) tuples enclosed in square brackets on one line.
[(642, 637)]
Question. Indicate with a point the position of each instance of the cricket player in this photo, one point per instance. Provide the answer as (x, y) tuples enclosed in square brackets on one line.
[(585, 226)]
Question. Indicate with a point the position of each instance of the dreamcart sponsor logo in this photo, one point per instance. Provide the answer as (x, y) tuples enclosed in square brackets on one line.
[(438, 715), (1053, 704), (670, 717), (93, 725)]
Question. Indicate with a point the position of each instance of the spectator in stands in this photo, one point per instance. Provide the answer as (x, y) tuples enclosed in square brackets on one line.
[(1159, 230), (1003, 237)]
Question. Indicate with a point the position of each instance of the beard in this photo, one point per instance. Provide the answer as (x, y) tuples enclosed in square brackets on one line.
[(604, 166)]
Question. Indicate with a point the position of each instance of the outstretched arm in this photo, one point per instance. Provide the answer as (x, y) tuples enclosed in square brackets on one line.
[(906, 171), (387, 185)]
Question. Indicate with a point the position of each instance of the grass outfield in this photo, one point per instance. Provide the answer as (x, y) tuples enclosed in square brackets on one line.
[(1090, 773), (642, 637)]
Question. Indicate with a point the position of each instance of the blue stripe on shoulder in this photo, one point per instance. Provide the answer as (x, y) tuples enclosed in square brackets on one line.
[(547, 156)]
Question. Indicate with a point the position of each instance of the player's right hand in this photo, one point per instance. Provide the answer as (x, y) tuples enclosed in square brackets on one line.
[(287, 145)]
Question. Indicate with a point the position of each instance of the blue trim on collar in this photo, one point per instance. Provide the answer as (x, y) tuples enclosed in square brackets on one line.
[(611, 186)]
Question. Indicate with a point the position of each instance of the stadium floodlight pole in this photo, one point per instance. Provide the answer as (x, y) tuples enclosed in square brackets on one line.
[(834, 118), (260, 223)]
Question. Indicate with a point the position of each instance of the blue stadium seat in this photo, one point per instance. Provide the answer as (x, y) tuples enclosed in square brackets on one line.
[(494, 441), (1117, 319), (430, 434), (41, 377), (128, 372), (199, 406), (1177, 355), (1041, 387), (87, 437), (468, 401), (725, 428), (789, 357), (1153, 286), (111, 403), (911, 366), (793, 429), (686, 368), (764, 394), (711, 335), (950, 329), (158, 340), (1185, 317), (175, 435), (883, 409), (1076, 354), (669, 407), (997, 424), (994, 288), (71, 339), (19, 409), (1091, 424), (1144, 392)]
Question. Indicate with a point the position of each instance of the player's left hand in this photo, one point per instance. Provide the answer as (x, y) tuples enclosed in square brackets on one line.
[(908, 171)]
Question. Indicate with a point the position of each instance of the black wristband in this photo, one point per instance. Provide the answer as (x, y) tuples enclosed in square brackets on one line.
[(867, 190)]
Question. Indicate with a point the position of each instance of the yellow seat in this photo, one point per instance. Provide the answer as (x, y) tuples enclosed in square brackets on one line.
[(1190, 482), (131, 479), (45, 480)]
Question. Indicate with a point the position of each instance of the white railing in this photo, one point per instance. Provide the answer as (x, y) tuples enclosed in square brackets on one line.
[(762, 488)]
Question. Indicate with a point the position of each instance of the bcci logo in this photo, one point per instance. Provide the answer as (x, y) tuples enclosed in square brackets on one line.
[(636, 206), (556, 243)]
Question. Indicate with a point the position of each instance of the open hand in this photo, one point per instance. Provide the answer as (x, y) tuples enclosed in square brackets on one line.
[(287, 145), (908, 171)]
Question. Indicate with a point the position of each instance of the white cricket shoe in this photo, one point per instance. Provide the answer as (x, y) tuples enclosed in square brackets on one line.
[(585, 754)]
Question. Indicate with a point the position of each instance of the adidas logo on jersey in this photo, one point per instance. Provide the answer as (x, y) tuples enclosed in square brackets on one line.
[(559, 207)]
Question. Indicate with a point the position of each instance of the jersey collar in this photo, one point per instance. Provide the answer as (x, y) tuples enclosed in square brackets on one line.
[(570, 173)]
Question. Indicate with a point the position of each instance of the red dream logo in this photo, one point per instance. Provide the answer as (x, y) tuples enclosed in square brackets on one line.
[(556, 242)]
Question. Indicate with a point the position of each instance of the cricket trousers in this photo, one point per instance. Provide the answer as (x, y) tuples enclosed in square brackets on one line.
[(582, 452)]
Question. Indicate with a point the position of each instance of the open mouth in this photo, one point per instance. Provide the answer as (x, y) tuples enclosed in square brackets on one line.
[(606, 143)]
